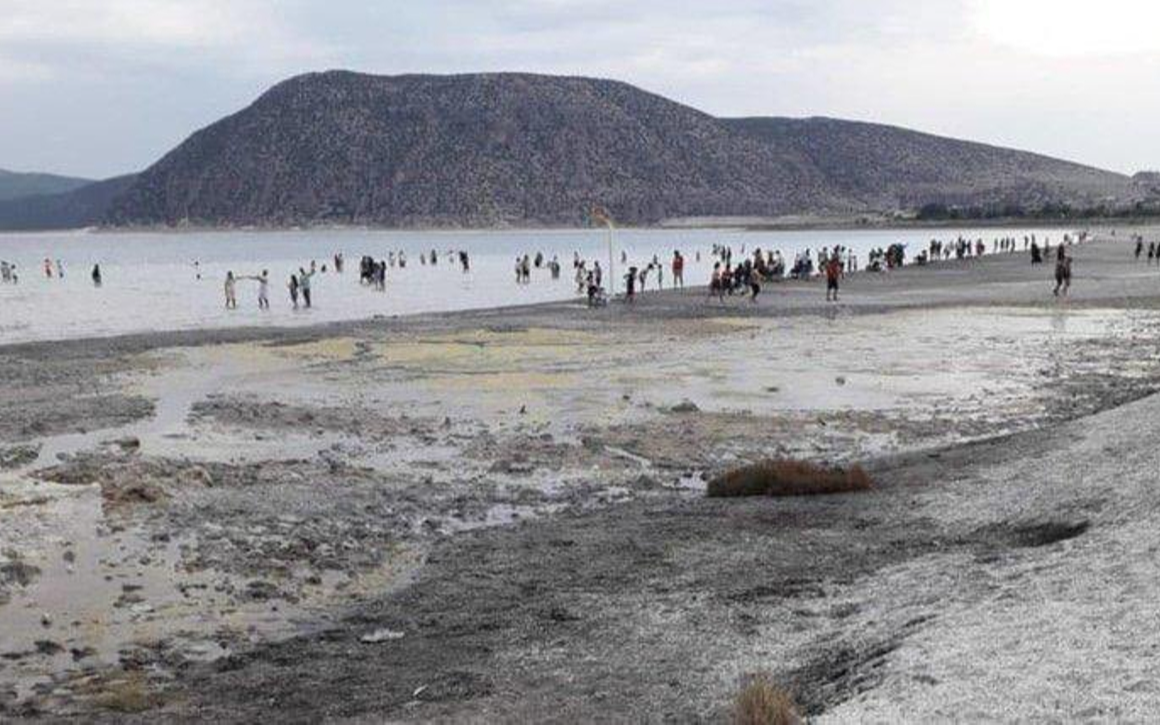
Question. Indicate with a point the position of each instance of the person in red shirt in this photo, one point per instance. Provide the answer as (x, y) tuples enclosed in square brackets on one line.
[(833, 274)]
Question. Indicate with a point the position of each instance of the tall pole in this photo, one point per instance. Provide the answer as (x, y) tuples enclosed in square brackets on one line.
[(611, 263), (603, 215)]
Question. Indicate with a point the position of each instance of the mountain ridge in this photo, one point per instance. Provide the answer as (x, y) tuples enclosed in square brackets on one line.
[(23, 184)]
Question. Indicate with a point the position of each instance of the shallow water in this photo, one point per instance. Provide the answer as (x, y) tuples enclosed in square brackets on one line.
[(150, 282)]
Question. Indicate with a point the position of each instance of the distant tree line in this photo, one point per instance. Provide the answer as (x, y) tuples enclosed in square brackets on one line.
[(1049, 210)]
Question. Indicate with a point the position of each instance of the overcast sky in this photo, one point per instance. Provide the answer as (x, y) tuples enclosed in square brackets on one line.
[(103, 87)]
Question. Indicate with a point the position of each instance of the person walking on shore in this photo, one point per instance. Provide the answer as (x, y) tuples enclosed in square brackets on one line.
[(833, 270), (833, 274), (1140, 248), (96, 275), (717, 283), (630, 285)]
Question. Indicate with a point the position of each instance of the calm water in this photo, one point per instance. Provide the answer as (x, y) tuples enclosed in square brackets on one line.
[(150, 281)]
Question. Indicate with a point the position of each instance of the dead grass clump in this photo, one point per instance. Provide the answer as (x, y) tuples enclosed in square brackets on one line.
[(762, 702), (788, 478), (128, 695)]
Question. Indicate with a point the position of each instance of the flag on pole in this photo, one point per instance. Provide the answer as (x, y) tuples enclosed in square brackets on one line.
[(601, 215)]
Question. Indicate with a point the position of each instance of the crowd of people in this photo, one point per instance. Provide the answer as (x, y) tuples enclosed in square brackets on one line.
[(745, 277), (52, 268)]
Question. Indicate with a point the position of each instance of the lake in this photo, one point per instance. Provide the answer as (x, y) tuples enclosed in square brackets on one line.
[(151, 283)]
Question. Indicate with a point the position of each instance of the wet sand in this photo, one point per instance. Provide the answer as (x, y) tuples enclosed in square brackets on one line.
[(500, 515)]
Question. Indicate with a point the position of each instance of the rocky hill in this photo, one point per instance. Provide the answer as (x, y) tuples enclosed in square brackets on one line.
[(470, 149), (888, 167), (523, 150)]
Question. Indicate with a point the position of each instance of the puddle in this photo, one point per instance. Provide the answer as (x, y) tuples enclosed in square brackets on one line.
[(106, 586)]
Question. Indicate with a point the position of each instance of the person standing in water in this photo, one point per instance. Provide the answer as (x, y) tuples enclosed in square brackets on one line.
[(263, 281), (96, 275), (230, 289), (292, 285), (304, 286), (1062, 272), (678, 269)]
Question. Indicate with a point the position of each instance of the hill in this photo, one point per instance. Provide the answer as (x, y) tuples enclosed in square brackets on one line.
[(524, 150), (888, 167), (82, 207), (465, 150), (16, 185)]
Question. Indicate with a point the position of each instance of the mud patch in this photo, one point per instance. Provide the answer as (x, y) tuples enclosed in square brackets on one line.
[(1045, 533), (26, 419), (18, 456), (273, 415), (840, 673)]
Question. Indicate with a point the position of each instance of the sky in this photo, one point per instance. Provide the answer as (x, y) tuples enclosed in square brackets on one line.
[(103, 87)]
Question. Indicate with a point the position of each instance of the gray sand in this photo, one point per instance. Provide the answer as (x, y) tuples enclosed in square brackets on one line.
[(500, 515)]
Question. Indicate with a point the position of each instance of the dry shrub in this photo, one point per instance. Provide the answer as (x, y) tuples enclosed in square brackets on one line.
[(762, 702), (127, 695), (788, 478)]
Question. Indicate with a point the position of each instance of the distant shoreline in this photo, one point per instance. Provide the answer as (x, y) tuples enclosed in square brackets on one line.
[(722, 224)]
